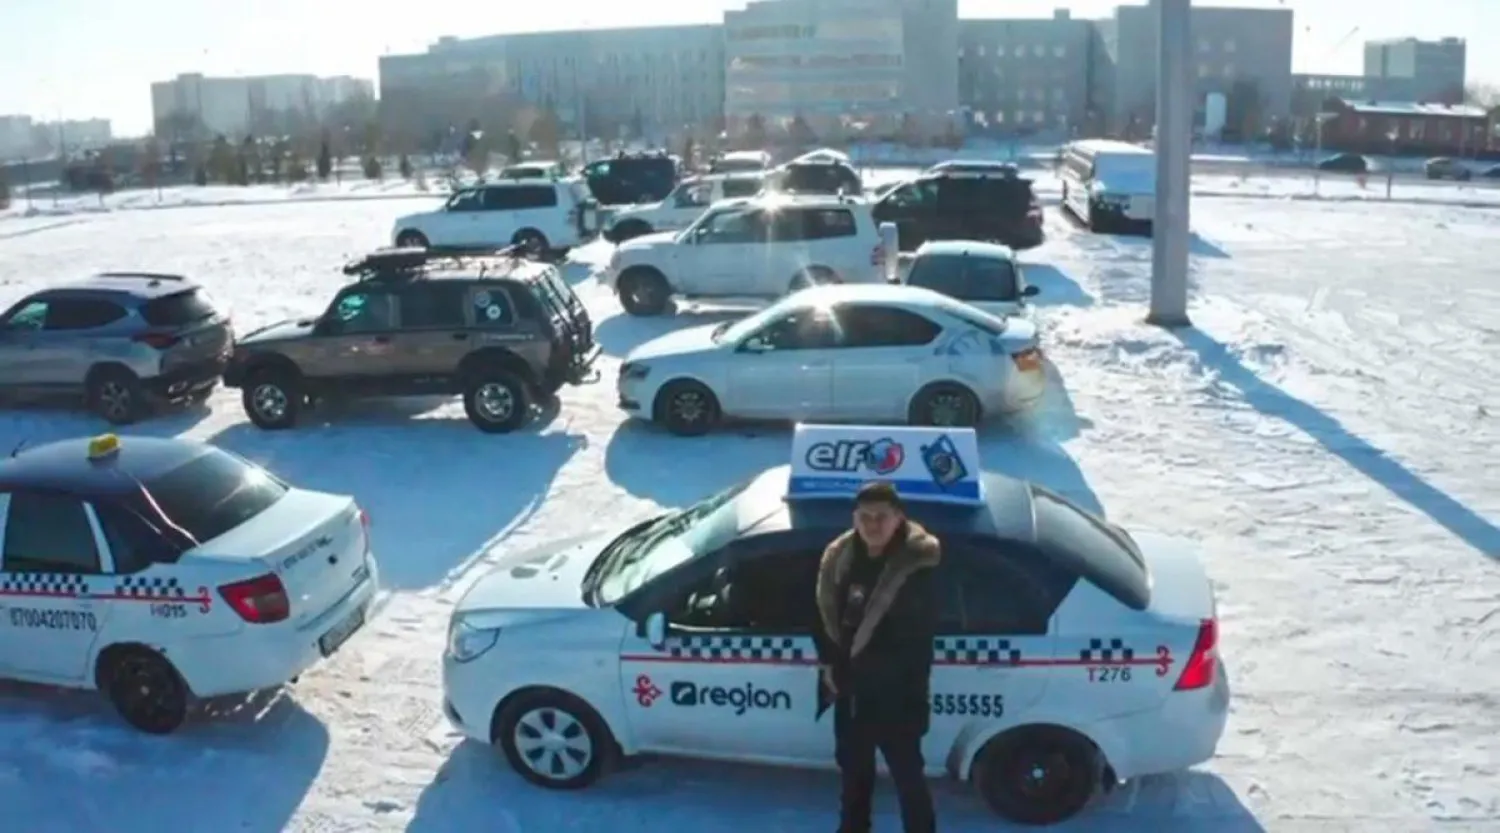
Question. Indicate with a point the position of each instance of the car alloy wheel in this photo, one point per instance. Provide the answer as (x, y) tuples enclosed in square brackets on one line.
[(115, 401), (949, 410), (148, 694), (270, 402), (553, 743), (495, 402), (689, 407)]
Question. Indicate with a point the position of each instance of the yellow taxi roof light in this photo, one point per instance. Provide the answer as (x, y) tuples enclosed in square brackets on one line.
[(103, 445)]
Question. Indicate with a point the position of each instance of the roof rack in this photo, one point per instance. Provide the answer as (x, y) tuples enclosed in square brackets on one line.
[(140, 276), (410, 263)]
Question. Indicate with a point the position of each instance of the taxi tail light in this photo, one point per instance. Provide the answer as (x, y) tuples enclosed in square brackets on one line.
[(160, 341), (1203, 664), (364, 523), (260, 601), (1028, 359)]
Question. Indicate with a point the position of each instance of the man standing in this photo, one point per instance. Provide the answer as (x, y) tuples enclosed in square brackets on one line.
[(877, 601)]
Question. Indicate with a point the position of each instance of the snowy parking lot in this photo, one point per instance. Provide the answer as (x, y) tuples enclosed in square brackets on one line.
[(1324, 432)]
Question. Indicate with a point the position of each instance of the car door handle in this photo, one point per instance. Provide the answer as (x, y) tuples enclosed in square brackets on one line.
[(460, 336)]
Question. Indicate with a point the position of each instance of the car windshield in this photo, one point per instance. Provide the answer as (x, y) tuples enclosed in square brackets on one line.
[(966, 277), (652, 549), (213, 493), (733, 331)]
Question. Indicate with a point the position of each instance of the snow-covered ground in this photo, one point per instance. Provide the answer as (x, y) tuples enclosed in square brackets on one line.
[(1328, 432)]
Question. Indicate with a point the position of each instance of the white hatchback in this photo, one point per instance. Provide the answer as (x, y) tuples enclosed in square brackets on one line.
[(1069, 656), (873, 353)]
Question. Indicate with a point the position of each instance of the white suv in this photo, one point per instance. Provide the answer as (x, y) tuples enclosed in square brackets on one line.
[(681, 207), (543, 215), (764, 246)]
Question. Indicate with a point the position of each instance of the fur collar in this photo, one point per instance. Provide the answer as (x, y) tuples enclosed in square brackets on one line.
[(919, 551)]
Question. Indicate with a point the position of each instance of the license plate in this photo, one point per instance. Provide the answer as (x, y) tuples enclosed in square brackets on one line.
[(330, 642)]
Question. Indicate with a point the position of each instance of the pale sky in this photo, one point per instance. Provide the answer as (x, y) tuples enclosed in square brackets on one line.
[(97, 58)]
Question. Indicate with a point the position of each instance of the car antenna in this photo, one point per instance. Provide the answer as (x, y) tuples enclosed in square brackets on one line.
[(19, 447)]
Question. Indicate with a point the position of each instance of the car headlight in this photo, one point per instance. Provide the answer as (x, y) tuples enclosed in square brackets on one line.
[(633, 370), (467, 643)]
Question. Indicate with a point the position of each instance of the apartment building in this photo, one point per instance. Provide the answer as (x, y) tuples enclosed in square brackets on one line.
[(197, 106), (1408, 69), (654, 80), (1026, 76)]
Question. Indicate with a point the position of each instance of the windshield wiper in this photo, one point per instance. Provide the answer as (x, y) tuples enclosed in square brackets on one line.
[(605, 562)]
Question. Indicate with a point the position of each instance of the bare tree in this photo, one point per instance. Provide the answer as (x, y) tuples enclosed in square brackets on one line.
[(1484, 95)]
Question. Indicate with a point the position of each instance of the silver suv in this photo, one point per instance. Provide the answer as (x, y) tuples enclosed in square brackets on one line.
[(126, 341)]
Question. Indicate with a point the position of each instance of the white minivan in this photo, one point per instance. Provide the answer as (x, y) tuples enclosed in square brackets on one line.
[(1109, 185)]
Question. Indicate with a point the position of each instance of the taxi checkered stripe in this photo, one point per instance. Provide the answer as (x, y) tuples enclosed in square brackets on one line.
[(730, 648), (1112, 651), (44, 584), (149, 588), (970, 650)]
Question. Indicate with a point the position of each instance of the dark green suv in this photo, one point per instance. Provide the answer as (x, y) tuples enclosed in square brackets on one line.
[(502, 331)]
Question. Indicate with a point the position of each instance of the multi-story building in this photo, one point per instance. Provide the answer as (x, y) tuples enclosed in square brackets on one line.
[(16, 137), (650, 80), (196, 106), (1026, 76), (842, 65), (1408, 69), (1243, 54)]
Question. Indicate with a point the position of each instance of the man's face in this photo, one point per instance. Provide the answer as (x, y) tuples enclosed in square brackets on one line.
[(876, 523)]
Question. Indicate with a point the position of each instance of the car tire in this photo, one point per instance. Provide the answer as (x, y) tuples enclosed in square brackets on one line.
[(411, 240), (1038, 775), (945, 406), (116, 395), (532, 242), (145, 689), (554, 740), (643, 291), (810, 277), (686, 408), (497, 402), (629, 230), (273, 399)]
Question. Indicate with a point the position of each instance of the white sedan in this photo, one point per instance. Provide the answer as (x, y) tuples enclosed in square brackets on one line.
[(842, 353), (1071, 655), (158, 571)]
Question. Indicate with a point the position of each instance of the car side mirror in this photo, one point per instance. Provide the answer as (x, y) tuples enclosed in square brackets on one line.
[(323, 327), (1031, 291), (754, 345), (655, 630)]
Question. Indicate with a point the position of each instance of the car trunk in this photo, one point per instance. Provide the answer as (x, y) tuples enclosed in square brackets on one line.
[(315, 543), (188, 329)]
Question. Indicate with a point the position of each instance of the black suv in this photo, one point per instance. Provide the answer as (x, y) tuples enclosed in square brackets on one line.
[(502, 331), (632, 178), (964, 205), (815, 176)]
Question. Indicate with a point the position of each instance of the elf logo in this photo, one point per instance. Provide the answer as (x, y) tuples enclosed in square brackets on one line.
[(740, 700)]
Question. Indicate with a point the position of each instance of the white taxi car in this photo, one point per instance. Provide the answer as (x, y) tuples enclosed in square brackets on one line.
[(764, 246), (158, 571), (872, 353), (1070, 654), (686, 203)]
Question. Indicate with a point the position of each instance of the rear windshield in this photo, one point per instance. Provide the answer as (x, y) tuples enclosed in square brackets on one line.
[(742, 187), (966, 277), (1092, 547), (213, 494), (178, 309)]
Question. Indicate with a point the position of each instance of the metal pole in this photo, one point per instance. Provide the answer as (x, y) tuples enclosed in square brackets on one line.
[(1174, 127)]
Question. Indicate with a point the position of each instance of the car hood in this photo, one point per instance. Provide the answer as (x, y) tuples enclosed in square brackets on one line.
[(280, 331), (677, 343), (548, 577), (659, 240)]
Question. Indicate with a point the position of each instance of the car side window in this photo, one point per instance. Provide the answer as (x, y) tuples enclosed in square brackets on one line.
[(734, 227), (693, 195), (30, 316), (913, 195), (470, 200), (65, 314), (875, 326), (742, 187), (48, 533), (362, 312), (771, 593), (432, 306), (801, 330), (1007, 588), (492, 308), (133, 544), (789, 225)]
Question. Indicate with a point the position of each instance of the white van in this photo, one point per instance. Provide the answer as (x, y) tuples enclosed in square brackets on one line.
[(1109, 184)]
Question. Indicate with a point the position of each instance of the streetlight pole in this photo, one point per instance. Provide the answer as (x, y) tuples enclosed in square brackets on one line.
[(1174, 127)]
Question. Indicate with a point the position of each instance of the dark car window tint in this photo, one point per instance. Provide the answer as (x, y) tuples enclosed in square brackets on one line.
[(434, 305), (1092, 547), (81, 314), (471, 200), (766, 594), (966, 277), (178, 309), (30, 315), (48, 533), (873, 326), (212, 494)]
